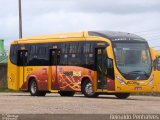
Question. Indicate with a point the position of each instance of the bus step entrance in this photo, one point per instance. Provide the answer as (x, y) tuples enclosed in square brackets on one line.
[(102, 85)]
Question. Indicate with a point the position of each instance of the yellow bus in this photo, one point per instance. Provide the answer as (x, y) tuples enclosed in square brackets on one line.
[(156, 70), (92, 62)]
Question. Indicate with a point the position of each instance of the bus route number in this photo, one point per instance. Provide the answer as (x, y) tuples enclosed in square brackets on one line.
[(73, 73)]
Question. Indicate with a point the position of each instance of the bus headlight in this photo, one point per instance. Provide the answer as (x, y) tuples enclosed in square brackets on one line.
[(151, 80), (120, 80)]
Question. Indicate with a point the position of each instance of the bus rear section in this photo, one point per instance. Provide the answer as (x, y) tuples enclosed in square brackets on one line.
[(91, 62), (16, 60)]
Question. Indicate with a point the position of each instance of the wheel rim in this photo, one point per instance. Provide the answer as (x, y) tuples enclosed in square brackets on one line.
[(89, 89), (33, 87)]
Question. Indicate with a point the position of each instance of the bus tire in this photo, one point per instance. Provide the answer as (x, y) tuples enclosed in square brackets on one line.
[(33, 88), (87, 89), (67, 93), (122, 95)]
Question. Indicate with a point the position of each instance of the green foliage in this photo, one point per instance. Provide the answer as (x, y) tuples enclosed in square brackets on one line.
[(2, 51)]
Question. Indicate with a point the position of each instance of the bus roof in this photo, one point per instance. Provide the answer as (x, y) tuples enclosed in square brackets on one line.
[(54, 36), (116, 36), (49, 37), (112, 36)]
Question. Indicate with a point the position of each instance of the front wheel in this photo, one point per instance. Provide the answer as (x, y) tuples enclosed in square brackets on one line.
[(122, 95), (87, 89)]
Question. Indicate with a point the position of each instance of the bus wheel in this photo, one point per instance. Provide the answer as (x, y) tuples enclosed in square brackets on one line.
[(67, 93), (87, 89), (122, 95), (33, 88)]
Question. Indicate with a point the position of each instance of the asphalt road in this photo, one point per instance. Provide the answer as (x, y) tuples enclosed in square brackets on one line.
[(23, 103)]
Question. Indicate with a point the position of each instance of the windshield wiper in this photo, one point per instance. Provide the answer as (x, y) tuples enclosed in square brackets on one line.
[(138, 72), (133, 72), (145, 73)]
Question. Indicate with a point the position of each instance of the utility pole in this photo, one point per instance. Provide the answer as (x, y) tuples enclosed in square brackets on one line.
[(20, 20)]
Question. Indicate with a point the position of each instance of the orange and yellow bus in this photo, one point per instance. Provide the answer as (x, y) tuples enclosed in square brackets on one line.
[(90, 62), (156, 62)]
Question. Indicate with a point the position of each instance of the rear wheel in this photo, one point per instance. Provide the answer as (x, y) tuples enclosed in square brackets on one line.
[(67, 93), (87, 89), (122, 95), (33, 89)]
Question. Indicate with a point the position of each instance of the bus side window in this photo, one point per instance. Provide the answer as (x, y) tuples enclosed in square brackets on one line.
[(43, 54), (88, 51), (32, 59), (158, 63), (79, 48), (64, 55), (64, 47), (80, 55), (74, 55)]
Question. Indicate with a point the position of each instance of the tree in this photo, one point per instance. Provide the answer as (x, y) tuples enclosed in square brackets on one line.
[(2, 51)]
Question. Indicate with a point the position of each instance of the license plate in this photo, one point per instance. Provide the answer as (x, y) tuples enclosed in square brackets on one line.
[(138, 88)]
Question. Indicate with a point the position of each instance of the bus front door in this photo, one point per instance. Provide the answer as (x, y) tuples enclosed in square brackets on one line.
[(54, 61), (100, 68), (21, 62)]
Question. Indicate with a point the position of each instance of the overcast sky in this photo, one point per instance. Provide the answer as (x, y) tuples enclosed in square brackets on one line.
[(55, 16)]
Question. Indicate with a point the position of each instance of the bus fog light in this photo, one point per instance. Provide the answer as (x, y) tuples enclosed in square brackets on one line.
[(120, 80), (151, 80)]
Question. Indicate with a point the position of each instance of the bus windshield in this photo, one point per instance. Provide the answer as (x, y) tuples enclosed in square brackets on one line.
[(133, 60)]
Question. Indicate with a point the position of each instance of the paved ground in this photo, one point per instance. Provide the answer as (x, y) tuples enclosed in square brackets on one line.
[(16, 103)]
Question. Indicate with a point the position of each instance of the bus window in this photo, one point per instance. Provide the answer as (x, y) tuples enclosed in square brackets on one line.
[(43, 58), (32, 58), (63, 48), (88, 51), (79, 48), (74, 55), (64, 56), (22, 58), (38, 55), (63, 59), (33, 50)]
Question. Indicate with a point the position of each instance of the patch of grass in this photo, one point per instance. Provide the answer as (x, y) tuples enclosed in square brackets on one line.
[(2, 89)]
